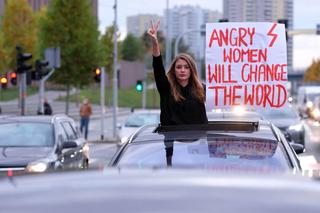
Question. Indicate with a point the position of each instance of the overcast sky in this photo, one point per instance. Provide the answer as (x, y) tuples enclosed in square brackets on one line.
[(306, 16)]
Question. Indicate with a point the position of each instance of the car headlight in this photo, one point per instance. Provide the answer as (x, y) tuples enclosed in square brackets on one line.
[(297, 127), (316, 112), (85, 150), (37, 167), (309, 104)]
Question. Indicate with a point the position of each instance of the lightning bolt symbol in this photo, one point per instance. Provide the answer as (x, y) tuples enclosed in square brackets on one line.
[(273, 35)]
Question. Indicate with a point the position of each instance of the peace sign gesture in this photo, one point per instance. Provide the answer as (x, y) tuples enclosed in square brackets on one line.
[(152, 32)]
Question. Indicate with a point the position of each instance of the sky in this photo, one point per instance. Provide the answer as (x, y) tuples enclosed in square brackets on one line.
[(306, 16)]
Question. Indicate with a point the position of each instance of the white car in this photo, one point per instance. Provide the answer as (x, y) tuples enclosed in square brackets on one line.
[(136, 120)]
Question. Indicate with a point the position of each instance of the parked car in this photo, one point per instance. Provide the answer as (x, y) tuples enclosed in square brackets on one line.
[(135, 121), (306, 96), (288, 121), (40, 143), (152, 190), (253, 146), (315, 110)]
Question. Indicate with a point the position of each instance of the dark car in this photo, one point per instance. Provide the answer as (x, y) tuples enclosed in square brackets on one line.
[(151, 190), (253, 146), (40, 143), (288, 121)]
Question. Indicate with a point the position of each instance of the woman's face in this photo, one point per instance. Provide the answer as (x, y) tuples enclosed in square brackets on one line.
[(182, 70)]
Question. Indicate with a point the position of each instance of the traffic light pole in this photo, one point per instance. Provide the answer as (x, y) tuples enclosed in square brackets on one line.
[(23, 92), (144, 89), (102, 100), (42, 91), (115, 74)]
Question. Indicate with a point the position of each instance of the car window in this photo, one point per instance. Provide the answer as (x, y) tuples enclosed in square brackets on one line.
[(138, 120), (71, 133), (243, 154), (26, 134)]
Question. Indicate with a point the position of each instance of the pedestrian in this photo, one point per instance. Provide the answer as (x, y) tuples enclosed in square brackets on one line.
[(47, 108), (85, 113), (182, 95)]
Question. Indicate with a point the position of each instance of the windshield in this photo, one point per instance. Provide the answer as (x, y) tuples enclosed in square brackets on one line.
[(138, 120), (279, 113), (234, 154), (26, 135)]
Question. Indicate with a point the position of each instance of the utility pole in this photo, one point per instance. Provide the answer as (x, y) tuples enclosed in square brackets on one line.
[(102, 100), (144, 90), (115, 74)]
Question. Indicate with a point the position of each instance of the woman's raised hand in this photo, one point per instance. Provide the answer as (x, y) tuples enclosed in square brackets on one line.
[(152, 32)]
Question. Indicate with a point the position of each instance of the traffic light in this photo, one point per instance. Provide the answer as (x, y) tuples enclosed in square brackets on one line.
[(22, 66), (139, 86), (4, 82), (13, 78), (41, 70), (285, 22), (97, 75)]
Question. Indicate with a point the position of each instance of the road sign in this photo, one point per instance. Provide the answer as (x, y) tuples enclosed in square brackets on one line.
[(52, 55)]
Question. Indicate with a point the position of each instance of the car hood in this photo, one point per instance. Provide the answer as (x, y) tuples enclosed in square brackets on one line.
[(180, 191), (284, 122), (21, 156)]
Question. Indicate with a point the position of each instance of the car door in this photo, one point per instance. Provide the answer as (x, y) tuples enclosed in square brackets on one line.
[(72, 157)]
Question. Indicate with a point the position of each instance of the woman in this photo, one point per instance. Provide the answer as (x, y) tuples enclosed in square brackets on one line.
[(182, 95)]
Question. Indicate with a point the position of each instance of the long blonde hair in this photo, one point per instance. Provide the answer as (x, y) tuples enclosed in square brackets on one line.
[(196, 86)]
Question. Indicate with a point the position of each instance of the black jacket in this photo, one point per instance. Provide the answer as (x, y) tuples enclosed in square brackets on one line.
[(188, 111)]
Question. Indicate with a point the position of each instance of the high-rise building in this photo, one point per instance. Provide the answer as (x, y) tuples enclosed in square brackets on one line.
[(262, 11), (36, 5), (138, 24), (190, 19)]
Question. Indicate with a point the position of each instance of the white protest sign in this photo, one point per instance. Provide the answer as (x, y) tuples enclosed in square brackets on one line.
[(246, 64)]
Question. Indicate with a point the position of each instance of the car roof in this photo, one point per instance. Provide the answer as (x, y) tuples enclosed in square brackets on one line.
[(32, 118), (176, 191), (260, 129)]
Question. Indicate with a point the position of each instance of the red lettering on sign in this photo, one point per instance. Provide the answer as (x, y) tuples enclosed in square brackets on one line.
[(221, 74), (253, 95), (263, 72), (272, 34), (233, 37), (240, 55)]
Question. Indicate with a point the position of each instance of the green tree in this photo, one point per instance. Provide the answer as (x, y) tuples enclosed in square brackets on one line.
[(107, 46), (71, 26), (313, 71), (3, 65), (131, 48), (18, 27)]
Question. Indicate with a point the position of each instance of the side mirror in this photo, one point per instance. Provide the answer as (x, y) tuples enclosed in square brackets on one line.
[(298, 148), (69, 144)]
